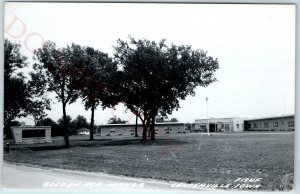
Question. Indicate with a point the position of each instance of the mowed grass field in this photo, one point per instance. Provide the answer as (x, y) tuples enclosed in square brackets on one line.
[(191, 158)]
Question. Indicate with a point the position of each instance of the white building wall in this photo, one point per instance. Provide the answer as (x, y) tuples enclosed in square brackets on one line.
[(220, 124), (238, 125)]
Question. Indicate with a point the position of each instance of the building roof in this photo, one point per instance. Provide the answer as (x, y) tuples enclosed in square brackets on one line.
[(272, 117), (129, 125), (211, 119)]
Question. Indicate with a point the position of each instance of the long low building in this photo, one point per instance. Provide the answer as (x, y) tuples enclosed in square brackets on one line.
[(279, 123), (128, 129), (232, 124)]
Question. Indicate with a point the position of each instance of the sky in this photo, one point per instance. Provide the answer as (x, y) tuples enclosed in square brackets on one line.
[(254, 44)]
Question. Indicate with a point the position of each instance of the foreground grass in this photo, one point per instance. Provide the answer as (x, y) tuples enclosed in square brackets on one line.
[(190, 158)]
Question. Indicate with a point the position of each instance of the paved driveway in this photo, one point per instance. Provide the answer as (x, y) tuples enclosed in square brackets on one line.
[(25, 177)]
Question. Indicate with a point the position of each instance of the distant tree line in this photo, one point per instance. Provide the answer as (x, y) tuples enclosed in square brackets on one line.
[(162, 119), (116, 120), (149, 78)]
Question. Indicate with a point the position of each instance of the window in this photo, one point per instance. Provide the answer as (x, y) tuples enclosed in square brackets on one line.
[(238, 126), (275, 124), (290, 123), (255, 125), (266, 125), (203, 127), (227, 126), (282, 122)]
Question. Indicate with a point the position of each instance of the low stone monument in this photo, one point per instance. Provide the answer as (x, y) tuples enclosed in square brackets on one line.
[(31, 134)]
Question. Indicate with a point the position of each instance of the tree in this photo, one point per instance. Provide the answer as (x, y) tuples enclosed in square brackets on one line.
[(116, 120), (46, 122), (61, 121), (38, 91), (13, 59), (163, 119), (55, 129), (173, 120), (137, 63), (78, 123), (160, 119), (53, 69), (22, 97), (16, 99), (92, 75), (156, 77), (16, 91)]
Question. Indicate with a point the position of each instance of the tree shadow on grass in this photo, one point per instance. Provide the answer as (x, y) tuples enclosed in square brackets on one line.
[(138, 142), (50, 147), (102, 142)]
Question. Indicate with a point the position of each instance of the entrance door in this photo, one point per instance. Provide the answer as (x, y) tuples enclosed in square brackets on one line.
[(212, 127)]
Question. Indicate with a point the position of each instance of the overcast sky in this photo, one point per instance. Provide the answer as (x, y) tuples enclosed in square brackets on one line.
[(255, 46)]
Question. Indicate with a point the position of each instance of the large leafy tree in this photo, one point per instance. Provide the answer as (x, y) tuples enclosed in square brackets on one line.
[(53, 68), (40, 101), (22, 98), (13, 60), (94, 76), (16, 99), (157, 76), (16, 91)]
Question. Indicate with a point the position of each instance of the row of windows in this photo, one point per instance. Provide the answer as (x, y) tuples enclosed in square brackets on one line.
[(132, 130), (226, 126), (275, 124)]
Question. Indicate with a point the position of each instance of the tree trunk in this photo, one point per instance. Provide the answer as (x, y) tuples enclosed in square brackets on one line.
[(136, 126), (152, 128), (64, 103), (149, 130), (92, 122), (145, 127), (66, 127)]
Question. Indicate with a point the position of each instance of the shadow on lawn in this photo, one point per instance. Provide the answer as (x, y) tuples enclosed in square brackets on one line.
[(50, 147), (124, 142), (107, 142)]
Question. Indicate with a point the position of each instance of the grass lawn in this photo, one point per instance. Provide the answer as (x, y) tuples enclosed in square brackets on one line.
[(190, 158)]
